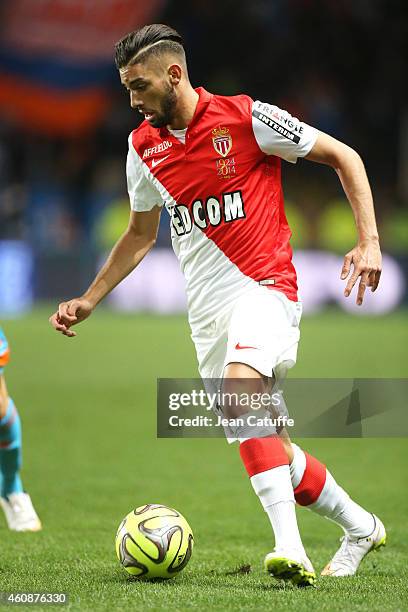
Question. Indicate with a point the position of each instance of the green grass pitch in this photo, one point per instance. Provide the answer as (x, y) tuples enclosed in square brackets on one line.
[(91, 455)]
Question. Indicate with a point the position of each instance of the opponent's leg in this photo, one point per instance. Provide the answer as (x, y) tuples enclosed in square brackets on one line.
[(16, 504), (267, 465), (10, 446), (315, 488)]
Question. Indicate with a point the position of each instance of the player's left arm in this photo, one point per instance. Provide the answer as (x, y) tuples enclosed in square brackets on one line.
[(366, 255)]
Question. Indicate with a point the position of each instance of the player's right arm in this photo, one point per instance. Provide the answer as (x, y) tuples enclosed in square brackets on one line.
[(127, 253), (146, 204)]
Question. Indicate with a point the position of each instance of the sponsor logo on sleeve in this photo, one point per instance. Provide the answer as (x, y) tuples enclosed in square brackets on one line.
[(274, 120)]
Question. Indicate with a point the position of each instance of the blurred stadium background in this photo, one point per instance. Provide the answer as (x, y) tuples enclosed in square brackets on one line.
[(64, 122)]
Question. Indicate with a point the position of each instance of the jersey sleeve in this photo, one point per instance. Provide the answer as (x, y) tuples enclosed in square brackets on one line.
[(278, 133), (143, 194)]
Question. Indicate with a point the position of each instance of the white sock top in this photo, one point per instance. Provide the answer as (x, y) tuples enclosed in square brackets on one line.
[(298, 465)]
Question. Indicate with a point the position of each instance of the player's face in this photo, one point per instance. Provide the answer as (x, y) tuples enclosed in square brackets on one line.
[(151, 92)]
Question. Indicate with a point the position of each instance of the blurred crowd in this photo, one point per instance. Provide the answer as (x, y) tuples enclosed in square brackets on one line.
[(336, 65)]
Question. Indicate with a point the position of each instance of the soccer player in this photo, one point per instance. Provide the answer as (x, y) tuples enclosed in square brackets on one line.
[(16, 503), (214, 163)]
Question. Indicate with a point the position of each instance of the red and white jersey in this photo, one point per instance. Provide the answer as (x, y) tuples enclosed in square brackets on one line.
[(222, 189)]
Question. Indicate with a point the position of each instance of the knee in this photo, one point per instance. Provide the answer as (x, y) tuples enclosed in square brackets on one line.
[(238, 396), (240, 384)]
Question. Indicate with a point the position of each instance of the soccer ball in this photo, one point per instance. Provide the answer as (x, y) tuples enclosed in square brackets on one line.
[(154, 541)]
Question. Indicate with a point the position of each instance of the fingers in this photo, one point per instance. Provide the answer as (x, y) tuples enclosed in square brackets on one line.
[(345, 271), (361, 288), (376, 279), (69, 333), (59, 326), (366, 260), (369, 278), (54, 320), (352, 281), (67, 312)]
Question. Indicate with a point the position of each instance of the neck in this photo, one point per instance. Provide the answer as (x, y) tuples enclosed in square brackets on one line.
[(186, 106)]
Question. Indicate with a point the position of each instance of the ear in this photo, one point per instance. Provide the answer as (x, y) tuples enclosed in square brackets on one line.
[(175, 72)]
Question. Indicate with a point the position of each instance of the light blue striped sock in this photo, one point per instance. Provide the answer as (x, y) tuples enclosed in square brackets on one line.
[(10, 451)]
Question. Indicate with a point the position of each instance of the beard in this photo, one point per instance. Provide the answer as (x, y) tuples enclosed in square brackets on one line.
[(168, 106)]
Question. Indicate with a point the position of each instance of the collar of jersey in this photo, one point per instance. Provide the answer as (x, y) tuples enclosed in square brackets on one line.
[(204, 98)]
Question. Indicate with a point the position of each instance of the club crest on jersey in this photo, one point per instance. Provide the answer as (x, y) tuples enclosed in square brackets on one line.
[(222, 140)]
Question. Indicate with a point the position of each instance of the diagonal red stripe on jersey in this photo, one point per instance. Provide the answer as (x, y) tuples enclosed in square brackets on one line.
[(242, 213)]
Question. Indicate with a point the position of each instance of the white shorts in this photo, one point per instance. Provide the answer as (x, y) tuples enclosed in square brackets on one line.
[(260, 329)]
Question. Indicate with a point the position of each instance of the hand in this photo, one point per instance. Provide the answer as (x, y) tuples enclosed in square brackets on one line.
[(366, 259), (70, 313)]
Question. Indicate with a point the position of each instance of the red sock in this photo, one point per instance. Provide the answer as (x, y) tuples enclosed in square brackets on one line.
[(261, 454), (267, 465), (312, 483)]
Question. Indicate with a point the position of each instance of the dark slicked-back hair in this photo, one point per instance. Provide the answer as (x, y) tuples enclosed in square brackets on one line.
[(134, 43)]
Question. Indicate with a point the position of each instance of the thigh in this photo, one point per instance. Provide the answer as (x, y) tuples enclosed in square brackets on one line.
[(211, 346), (264, 331), (241, 378)]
